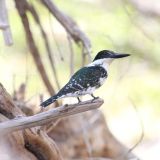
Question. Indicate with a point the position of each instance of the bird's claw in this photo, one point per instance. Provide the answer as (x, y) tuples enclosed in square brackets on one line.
[(94, 99)]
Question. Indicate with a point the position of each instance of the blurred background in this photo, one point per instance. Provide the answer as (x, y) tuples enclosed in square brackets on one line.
[(129, 26)]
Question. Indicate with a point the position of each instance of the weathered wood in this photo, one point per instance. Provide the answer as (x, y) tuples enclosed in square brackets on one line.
[(33, 141), (45, 117)]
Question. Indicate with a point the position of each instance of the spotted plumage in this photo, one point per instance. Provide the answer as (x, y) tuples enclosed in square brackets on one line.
[(87, 79), (84, 80)]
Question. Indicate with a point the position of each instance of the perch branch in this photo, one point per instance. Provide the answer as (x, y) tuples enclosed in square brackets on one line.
[(46, 117)]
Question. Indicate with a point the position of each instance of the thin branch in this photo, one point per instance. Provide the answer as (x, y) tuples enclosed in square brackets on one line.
[(83, 56), (141, 125), (46, 42), (22, 8), (4, 24), (46, 117), (134, 23), (70, 25), (54, 38), (71, 54)]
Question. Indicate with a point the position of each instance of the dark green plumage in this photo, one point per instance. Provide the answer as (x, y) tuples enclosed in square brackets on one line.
[(83, 79)]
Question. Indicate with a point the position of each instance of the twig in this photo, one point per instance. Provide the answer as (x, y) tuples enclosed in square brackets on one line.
[(133, 21), (26, 69), (46, 42), (4, 24), (54, 38), (71, 55), (13, 86), (69, 24), (83, 56), (46, 117), (142, 128)]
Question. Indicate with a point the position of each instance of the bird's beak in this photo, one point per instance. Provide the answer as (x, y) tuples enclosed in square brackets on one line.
[(120, 55)]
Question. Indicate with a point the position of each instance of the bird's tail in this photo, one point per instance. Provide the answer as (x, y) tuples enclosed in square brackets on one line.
[(49, 101)]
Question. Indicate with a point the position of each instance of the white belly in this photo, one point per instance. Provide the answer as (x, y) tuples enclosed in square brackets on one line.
[(90, 90)]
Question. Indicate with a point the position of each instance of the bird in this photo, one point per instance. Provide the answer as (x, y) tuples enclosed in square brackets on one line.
[(87, 79)]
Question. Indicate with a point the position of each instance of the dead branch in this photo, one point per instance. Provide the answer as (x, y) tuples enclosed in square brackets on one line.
[(54, 38), (46, 41), (4, 24), (70, 25), (22, 8), (71, 55), (134, 22), (45, 117)]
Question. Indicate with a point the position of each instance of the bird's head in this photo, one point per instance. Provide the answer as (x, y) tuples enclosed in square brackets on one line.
[(110, 55), (105, 57)]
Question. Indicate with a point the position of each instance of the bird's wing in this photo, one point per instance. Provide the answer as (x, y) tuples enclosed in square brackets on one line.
[(84, 78)]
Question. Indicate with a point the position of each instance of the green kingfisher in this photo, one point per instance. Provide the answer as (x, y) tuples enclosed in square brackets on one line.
[(87, 79)]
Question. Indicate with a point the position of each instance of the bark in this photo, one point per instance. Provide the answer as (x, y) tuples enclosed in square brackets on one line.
[(31, 144)]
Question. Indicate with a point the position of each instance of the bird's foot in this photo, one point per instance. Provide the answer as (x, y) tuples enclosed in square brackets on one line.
[(94, 98), (79, 101)]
